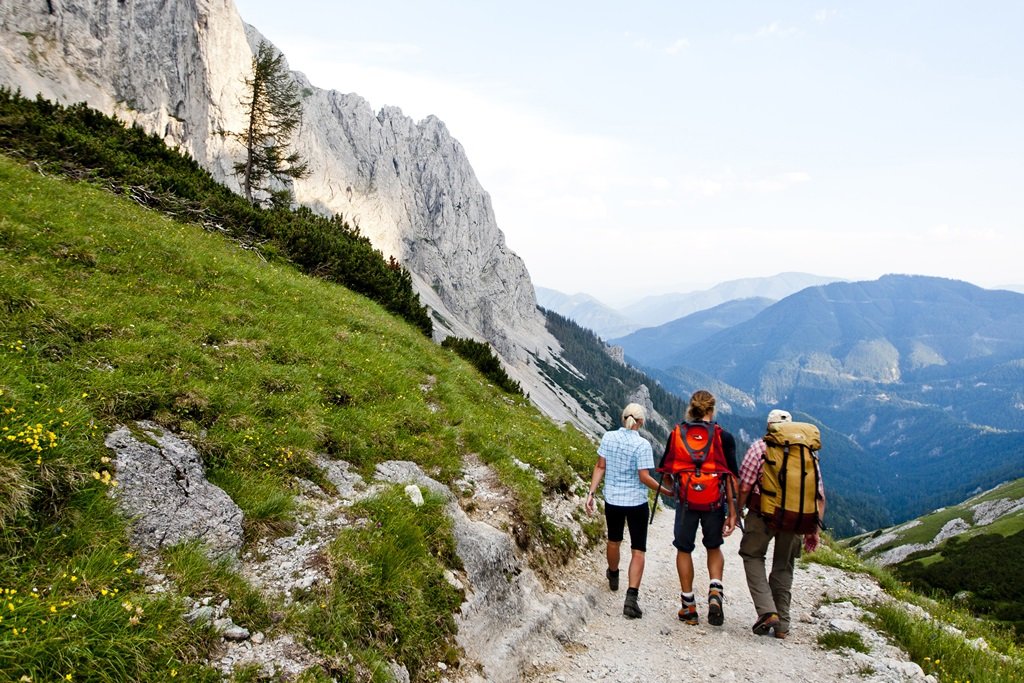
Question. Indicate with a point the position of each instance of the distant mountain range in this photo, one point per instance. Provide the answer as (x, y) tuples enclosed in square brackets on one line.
[(662, 308), (663, 346), (881, 335), (610, 322), (586, 311)]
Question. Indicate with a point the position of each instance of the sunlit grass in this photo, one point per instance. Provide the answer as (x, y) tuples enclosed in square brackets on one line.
[(111, 313), (948, 656), (389, 599)]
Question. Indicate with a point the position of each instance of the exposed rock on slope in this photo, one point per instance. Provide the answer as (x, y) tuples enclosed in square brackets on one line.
[(163, 489), (508, 615), (979, 514), (179, 70)]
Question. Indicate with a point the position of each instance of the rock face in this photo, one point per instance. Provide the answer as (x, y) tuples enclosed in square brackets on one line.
[(163, 489), (178, 70)]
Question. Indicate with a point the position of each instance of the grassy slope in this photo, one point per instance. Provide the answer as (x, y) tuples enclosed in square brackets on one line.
[(111, 312), (945, 639), (933, 522)]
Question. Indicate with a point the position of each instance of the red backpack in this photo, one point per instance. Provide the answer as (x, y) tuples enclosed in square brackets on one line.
[(695, 459)]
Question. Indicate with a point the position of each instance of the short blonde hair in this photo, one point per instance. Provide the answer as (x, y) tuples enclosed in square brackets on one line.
[(632, 414)]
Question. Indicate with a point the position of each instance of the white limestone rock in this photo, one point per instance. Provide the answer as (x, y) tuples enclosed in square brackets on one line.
[(164, 491)]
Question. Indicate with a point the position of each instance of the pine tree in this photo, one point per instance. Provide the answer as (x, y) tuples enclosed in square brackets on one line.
[(274, 111)]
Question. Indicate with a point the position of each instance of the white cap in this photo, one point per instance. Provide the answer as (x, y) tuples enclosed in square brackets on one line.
[(779, 416)]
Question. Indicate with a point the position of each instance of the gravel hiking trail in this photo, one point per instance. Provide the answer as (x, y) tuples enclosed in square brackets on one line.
[(659, 647)]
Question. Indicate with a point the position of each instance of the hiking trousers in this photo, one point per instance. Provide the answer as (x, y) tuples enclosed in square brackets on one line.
[(770, 593)]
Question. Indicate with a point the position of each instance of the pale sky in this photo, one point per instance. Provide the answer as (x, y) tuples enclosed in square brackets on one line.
[(650, 147)]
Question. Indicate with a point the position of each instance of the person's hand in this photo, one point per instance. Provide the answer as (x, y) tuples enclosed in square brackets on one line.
[(811, 541), (729, 526), (590, 505)]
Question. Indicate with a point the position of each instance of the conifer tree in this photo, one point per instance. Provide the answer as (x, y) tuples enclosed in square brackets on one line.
[(273, 112)]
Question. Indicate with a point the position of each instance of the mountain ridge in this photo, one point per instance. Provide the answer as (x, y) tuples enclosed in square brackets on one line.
[(660, 346), (407, 186)]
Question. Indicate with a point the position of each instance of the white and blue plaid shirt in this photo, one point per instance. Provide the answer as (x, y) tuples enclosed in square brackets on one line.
[(625, 453)]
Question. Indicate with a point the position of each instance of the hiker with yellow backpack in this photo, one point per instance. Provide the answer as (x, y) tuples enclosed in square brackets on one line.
[(700, 458), (781, 480)]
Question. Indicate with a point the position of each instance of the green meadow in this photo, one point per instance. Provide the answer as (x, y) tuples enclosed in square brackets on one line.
[(109, 313)]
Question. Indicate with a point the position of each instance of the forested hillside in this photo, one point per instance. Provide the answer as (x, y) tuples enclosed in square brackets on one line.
[(606, 385), (972, 553)]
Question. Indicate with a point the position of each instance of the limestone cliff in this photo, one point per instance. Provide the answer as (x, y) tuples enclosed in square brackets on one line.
[(178, 70)]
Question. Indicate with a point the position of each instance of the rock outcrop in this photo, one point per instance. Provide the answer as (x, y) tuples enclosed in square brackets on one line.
[(179, 69), (162, 488), (508, 613)]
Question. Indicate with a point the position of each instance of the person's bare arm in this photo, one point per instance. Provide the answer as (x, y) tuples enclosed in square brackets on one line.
[(745, 490), (650, 482), (595, 481)]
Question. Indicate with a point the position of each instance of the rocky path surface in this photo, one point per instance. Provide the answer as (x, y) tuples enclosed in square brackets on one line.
[(659, 647)]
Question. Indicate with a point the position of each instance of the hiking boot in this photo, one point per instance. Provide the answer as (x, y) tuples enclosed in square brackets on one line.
[(688, 614), (613, 579), (781, 635), (715, 615), (630, 608), (765, 624)]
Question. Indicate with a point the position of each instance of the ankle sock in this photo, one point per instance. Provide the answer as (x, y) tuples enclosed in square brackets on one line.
[(688, 598)]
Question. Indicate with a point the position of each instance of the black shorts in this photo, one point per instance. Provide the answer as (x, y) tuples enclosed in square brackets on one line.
[(618, 516), (686, 529)]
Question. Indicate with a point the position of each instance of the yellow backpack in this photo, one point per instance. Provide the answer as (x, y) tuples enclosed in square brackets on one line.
[(789, 477)]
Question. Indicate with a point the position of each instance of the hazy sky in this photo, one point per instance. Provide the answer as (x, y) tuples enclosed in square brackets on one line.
[(650, 147)]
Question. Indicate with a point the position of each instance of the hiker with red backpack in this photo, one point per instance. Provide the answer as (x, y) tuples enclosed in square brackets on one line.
[(700, 458), (781, 480), (624, 462)]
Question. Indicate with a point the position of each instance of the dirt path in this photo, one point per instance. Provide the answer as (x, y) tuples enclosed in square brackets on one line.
[(659, 647)]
